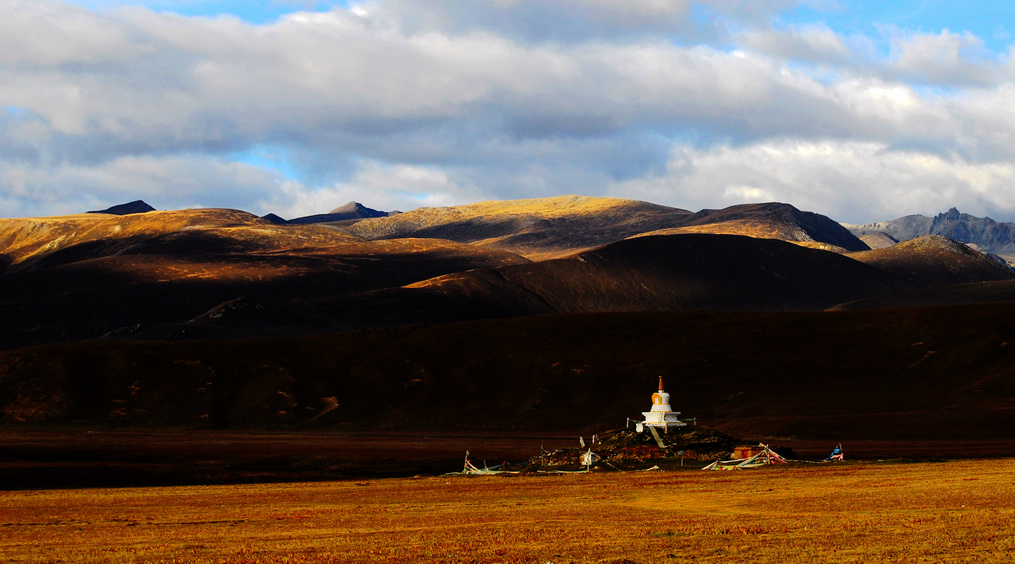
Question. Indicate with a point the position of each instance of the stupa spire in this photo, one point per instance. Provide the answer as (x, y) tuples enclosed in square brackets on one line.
[(661, 414)]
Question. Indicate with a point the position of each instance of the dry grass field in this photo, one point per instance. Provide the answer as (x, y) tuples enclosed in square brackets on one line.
[(851, 512)]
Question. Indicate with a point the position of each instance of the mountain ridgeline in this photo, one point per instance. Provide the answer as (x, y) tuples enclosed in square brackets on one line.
[(983, 232), (563, 226), (211, 274)]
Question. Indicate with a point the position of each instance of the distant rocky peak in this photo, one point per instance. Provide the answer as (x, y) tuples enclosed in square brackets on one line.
[(137, 206), (356, 209), (353, 211), (273, 218), (987, 234), (348, 208), (952, 214)]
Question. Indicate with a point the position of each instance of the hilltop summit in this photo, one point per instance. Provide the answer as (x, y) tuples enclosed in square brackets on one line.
[(354, 210), (348, 214), (137, 206)]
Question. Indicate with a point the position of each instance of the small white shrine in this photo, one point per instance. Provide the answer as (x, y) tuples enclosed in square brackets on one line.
[(660, 416)]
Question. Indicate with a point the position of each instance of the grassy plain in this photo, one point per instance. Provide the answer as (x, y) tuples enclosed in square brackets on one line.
[(851, 512)]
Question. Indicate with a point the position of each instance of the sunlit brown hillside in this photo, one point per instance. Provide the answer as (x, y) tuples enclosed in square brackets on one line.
[(771, 221), (556, 227), (537, 229), (82, 277), (31, 242), (935, 261), (878, 240)]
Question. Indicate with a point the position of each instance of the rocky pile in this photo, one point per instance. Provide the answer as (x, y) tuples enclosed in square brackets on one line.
[(626, 449)]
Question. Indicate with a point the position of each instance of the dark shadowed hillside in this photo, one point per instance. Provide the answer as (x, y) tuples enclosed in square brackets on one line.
[(677, 272), (943, 373), (664, 272), (951, 294)]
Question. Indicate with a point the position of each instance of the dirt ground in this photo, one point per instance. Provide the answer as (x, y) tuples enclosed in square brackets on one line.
[(959, 511), (32, 459)]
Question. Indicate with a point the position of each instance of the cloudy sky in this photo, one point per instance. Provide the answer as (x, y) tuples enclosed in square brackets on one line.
[(862, 111)]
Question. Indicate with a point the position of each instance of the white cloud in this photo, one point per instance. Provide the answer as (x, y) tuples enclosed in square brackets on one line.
[(848, 181), (814, 44), (174, 182), (944, 59), (381, 187), (44, 33), (400, 104)]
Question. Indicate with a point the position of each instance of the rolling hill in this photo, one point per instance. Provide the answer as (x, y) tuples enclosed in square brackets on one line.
[(667, 272), (536, 229), (38, 242), (879, 240), (557, 227), (933, 260), (81, 277), (678, 272), (772, 221)]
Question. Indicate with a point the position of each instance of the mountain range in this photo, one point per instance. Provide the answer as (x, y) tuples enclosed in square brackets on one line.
[(985, 233), (753, 312)]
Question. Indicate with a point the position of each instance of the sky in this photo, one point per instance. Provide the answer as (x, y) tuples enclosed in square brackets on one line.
[(859, 110)]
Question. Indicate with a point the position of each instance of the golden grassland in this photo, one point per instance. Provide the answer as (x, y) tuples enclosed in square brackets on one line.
[(245, 247), (555, 207), (582, 216), (851, 512), (746, 227), (758, 229)]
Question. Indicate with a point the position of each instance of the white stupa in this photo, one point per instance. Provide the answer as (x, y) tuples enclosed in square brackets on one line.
[(661, 415)]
